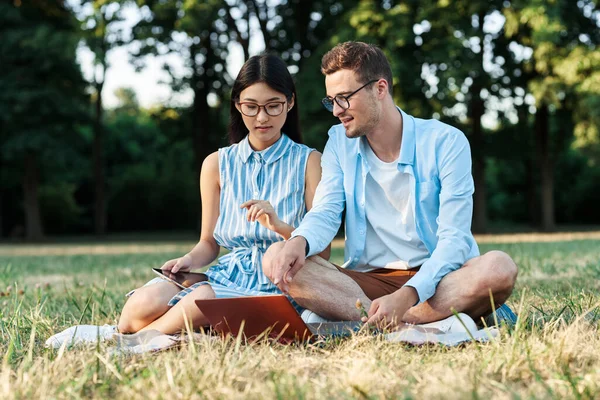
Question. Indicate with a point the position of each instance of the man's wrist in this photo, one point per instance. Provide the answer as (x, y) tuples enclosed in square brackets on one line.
[(306, 245), (407, 294)]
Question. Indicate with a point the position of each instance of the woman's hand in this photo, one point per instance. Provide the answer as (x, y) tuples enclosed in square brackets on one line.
[(181, 264), (263, 212)]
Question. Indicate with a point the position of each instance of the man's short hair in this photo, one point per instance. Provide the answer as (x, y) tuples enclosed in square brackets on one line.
[(366, 60)]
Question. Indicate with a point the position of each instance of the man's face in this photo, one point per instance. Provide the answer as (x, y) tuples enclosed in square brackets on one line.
[(365, 109)]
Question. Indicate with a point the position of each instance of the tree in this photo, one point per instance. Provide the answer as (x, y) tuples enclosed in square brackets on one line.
[(550, 31), (457, 44), (100, 19), (389, 25), (197, 33), (42, 93)]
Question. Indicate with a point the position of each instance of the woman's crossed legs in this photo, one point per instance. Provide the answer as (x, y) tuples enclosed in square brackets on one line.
[(148, 308)]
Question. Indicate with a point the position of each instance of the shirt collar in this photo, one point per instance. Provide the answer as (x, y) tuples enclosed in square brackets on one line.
[(407, 146), (269, 155)]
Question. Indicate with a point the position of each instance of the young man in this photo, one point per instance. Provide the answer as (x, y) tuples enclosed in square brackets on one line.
[(407, 188)]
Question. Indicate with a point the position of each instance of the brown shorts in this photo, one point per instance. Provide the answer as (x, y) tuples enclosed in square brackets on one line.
[(380, 281)]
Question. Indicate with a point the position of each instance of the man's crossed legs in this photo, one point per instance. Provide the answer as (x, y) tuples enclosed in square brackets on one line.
[(322, 288)]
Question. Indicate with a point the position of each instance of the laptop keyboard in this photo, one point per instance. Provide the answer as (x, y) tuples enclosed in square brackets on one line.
[(342, 328)]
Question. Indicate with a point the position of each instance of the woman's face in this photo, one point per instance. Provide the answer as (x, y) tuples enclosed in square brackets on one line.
[(264, 111)]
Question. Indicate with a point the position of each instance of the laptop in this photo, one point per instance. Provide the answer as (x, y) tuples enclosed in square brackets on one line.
[(272, 316)]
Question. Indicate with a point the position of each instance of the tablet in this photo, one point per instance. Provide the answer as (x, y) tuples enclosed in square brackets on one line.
[(182, 279)]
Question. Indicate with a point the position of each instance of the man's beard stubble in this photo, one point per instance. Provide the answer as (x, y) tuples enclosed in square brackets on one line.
[(373, 118)]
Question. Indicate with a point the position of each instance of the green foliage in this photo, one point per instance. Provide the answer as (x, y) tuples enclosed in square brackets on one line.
[(41, 87), (445, 65), (42, 94), (146, 197), (150, 173), (60, 212), (565, 60)]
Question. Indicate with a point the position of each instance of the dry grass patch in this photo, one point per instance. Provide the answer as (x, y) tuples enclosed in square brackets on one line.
[(552, 353), (547, 362)]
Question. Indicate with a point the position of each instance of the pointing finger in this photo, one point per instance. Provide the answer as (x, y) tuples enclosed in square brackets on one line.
[(248, 203)]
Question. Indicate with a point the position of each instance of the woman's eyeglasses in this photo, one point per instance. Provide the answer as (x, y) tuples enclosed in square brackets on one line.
[(273, 108)]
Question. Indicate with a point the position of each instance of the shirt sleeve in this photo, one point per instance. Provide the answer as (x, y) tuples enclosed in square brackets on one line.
[(455, 215), (320, 225)]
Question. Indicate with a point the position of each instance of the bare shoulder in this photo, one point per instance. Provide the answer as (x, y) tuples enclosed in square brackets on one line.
[(313, 171), (314, 160), (210, 167), (211, 162)]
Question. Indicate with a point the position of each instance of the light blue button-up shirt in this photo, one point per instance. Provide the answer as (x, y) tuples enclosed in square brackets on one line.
[(439, 158)]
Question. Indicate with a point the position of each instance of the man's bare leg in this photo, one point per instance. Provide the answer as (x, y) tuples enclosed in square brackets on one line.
[(333, 297), (468, 289), (321, 288)]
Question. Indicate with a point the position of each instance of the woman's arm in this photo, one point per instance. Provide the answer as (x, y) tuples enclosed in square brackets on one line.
[(207, 249), (313, 177), (262, 211)]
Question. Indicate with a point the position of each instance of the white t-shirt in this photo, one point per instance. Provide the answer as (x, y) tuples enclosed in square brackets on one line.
[(391, 235)]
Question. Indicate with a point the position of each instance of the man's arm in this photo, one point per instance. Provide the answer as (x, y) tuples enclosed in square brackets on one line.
[(320, 224), (455, 215), (454, 232)]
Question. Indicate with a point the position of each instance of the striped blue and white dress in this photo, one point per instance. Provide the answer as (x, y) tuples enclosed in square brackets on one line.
[(276, 174)]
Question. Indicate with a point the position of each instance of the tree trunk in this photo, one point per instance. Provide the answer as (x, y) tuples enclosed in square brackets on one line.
[(533, 208), (546, 169), (199, 135), (477, 105), (33, 221), (261, 15), (201, 116), (477, 141), (242, 39), (529, 163), (1, 227), (98, 157), (1, 187)]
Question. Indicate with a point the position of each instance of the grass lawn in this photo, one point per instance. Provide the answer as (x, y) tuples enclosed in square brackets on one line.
[(553, 352)]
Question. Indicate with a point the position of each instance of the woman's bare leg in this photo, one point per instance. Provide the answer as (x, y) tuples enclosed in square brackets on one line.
[(173, 321), (145, 305)]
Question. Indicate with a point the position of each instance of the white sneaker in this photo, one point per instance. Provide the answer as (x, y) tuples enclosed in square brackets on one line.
[(452, 324), (138, 338), (417, 337), (143, 342), (79, 334), (310, 317)]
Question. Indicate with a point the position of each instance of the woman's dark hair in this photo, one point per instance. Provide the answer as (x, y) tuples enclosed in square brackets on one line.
[(271, 70)]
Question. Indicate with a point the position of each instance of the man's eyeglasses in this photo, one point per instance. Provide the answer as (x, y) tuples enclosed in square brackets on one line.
[(273, 108), (341, 100)]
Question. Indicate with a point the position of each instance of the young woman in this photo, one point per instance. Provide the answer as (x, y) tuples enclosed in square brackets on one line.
[(254, 193)]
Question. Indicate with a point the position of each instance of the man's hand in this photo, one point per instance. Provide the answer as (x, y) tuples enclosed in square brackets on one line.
[(287, 263), (387, 311)]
